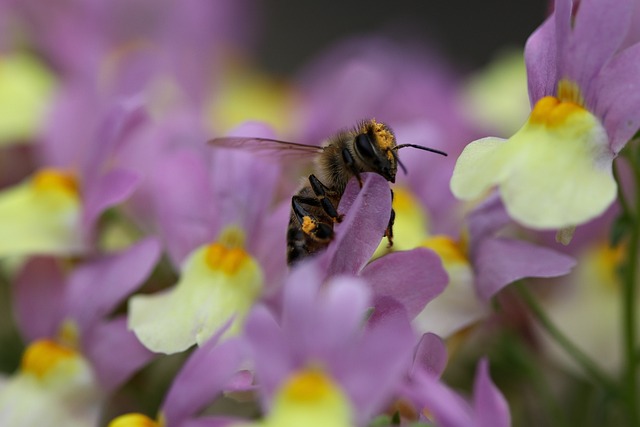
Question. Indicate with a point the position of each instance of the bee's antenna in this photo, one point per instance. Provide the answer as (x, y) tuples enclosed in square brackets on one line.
[(404, 169), (420, 147)]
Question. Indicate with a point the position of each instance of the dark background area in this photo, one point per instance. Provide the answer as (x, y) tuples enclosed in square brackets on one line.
[(468, 32)]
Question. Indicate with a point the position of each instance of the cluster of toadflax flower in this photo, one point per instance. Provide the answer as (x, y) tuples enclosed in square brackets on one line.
[(125, 238)]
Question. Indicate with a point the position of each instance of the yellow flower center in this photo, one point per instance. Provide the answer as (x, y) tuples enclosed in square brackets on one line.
[(227, 254), (134, 420), (307, 387), (310, 398), (56, 180), (554, 111), (569, 91), (449, 250), (44, 355)]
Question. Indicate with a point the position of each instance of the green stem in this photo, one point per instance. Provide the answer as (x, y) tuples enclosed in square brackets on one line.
[(581, 358), (622, 198), (629, 298)]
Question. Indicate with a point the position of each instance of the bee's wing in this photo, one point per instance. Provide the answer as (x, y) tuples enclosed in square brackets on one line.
[(268, 147)]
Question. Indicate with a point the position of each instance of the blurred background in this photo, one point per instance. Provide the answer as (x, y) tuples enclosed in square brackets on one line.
[(469, 33)]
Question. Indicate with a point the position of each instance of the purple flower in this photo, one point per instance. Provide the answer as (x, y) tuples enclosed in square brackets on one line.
[(216, 221), (555, 172), (320, 340), (75, 309), (56, 210)]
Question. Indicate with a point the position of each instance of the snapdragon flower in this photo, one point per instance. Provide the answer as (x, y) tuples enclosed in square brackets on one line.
[(555, 172), (319, 364), (215, 219), (56, 210), (69, 364)]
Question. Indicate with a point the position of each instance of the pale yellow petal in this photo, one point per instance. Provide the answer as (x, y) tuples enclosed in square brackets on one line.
[(53, 387), (479, 167), (557, 179), (202, 301), (312, 399), (25, 93), (36, 221)]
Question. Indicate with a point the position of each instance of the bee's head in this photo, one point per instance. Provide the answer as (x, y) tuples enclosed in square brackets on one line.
[(375, 147)]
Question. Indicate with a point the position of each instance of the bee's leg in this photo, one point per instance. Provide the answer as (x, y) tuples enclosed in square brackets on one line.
[(351, 164), (321, 190), (309, 225), (388, 233)]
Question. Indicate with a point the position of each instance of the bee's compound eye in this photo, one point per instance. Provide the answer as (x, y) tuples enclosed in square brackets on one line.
[(364, 147)]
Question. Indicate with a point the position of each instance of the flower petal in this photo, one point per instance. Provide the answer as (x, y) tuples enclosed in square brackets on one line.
[(201, 302), (367, 212), (430, 355), (445, 407), (486, 220), (26, 86), (422, 278), (202, 378), (322, 321), (599, 29), (97, 287), (39, 221), (478, 168), (108, 190), (39, 298), (500, 262), (104, 342), (243, 188), (372, 368), (540, 57), (182, 198), (270, 351), (490, 406), (558, 179), (619, 96)]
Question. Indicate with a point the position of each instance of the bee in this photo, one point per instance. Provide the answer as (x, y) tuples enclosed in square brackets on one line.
[(368, 147)]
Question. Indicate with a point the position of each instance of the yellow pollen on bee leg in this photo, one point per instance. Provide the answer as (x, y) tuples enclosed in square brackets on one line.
[(308, 225), (54, 179), (43, 355)]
